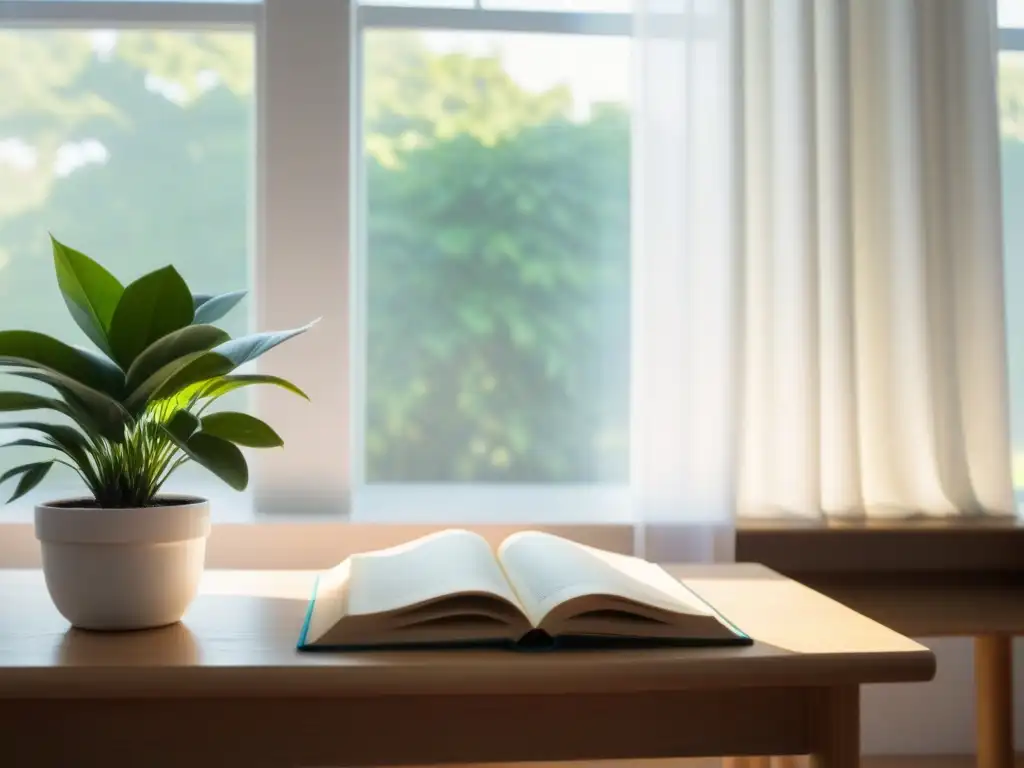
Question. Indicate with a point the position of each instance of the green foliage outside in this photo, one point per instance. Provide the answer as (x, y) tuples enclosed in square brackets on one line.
[(498, 232)]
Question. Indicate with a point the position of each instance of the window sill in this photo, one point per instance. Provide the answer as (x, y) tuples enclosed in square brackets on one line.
[(282, 536), (886, 546)]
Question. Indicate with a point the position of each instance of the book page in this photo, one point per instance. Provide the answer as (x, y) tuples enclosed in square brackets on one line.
[(435, 566), (547, 571)]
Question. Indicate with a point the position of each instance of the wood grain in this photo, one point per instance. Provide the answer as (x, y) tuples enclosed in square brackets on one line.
[(239, 638), (399, 730), (835, 728), (993, 669)]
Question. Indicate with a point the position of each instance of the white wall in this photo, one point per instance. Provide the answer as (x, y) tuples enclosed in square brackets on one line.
[(935, 717)]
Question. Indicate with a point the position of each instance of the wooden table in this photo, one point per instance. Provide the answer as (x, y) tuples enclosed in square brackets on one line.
[(958, 577), (227, 688)]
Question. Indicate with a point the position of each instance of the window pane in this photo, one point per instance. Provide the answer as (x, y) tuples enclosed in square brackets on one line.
[(497, 258), (1011, 13), (1011, 97), (135, 147)]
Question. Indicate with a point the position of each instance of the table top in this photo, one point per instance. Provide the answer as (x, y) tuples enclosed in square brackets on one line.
[(238, 639)]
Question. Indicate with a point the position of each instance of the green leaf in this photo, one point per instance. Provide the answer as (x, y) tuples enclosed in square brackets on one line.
[(217, 362), (22, 401), (94, 410), (67, 439), (219, 456), (241, 429), (175, 376), (37, 350), (182, 425), (174, 346), (216, 388), (215, 307), (28, 442), (209, 365), (90, 292), (150, 308), (31, 476)]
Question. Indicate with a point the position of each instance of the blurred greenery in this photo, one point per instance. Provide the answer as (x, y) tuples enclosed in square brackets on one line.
[(498, 231)]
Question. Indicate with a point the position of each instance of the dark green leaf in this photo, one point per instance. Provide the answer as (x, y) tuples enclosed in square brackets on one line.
[(90, 292), (241, 429), (100, 419), (208, 365), (215, 307), (150, 308), (94, 410), (182, 425), (22, 401), (241, 351), (37, 350), (174, 346), (67, 439), (31, 476), (28, 442), (102, 362), (222, 458)]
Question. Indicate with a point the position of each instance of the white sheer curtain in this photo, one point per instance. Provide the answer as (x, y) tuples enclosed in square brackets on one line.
[(686, 275), (818, 310)]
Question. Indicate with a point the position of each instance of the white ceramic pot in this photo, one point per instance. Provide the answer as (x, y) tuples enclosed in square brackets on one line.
[(123, 568)]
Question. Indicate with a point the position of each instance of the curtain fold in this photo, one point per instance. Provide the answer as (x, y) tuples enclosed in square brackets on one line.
[(819, 315)]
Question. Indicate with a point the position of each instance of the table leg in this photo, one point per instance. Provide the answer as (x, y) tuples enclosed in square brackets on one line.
[(993, 685), (835, 733)]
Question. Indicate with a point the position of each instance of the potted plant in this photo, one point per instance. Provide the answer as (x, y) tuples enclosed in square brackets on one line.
[(129, 415)]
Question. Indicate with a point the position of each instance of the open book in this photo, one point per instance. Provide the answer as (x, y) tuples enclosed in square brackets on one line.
[(450, 588)]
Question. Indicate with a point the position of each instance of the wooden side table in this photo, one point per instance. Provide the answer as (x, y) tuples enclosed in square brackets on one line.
[(228, 683)]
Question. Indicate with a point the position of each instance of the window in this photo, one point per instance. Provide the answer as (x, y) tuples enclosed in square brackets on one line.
[(1011, 102), (497, 257), (476, 335), (493, 262)]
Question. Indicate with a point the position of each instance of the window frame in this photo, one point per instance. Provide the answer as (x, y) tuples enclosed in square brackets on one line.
[(308, 59)]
